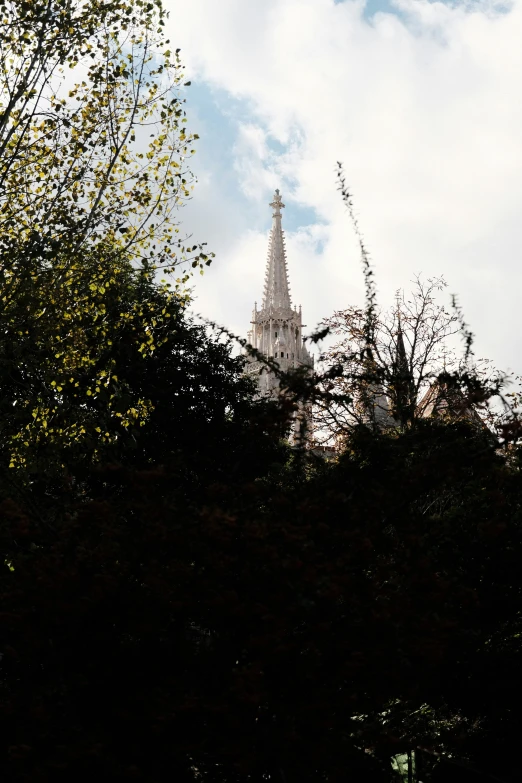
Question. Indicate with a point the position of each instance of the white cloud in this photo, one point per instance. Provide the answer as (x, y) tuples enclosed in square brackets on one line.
[(425, 110), (252, 160)]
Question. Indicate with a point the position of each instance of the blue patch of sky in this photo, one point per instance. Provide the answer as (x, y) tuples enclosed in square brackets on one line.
[(373, 7), (275, 146), (216, 119), (217, 131), (298, 216)]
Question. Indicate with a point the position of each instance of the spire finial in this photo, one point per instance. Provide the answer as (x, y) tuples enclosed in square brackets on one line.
[(398, 306), (277, 204)]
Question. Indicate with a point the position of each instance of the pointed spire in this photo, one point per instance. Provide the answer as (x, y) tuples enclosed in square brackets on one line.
[(401, 387), (401, 357), (277, 291)]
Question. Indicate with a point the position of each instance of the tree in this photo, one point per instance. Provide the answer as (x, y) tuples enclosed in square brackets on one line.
[(380, 371), (76, 165), (93, 151), (265, 627), (385, 379)]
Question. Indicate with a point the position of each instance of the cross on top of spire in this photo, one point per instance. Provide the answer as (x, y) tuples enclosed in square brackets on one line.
[(277, 204)]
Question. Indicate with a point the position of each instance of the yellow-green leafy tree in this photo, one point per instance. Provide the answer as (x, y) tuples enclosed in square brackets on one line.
[(93, 151)]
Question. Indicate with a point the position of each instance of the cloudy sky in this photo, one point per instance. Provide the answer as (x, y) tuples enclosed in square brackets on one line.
[(422, 101)]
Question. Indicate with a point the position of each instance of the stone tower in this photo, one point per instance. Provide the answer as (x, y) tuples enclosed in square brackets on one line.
[(277, 328)]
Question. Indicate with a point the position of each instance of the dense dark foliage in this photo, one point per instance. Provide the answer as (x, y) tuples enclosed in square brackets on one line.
[(302, 626)]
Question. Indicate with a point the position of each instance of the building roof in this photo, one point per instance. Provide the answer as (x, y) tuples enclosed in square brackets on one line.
[(446, 401)]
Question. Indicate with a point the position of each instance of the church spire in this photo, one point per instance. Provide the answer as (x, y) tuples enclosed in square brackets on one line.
[(276, 329), (277, 290), (401, 387), (401, 357)]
